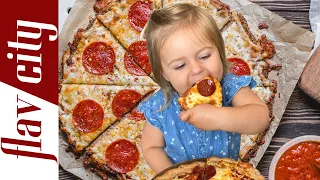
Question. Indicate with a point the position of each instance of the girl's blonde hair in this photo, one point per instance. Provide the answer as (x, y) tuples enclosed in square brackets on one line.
[(166, 21)]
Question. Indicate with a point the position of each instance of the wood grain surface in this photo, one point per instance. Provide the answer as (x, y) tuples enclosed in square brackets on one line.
[(302, 115)]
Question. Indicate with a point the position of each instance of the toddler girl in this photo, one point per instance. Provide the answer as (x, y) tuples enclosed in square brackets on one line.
[(184, 46)]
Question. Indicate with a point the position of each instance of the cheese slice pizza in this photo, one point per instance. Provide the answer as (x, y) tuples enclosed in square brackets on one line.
[(96, 57), (85, 111), (118, 152), (207, 91)]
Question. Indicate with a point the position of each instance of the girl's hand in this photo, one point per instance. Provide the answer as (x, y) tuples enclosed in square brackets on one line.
[(201, 116), (249, 115)]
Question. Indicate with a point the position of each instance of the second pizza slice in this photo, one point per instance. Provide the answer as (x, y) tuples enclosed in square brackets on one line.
[(85, 111), (118, 151), (96, 57)]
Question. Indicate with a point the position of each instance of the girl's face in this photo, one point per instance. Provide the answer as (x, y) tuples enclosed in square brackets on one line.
[(185, 59)]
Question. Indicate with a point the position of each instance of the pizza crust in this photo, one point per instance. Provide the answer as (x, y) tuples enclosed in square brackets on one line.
[(180, 171)]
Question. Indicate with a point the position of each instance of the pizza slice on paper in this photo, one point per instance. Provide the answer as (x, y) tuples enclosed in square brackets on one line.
[(125, 20), (117, 152), (96, 57), (85, 111), (218, 10)]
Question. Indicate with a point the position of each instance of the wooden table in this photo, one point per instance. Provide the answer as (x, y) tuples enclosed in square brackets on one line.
[(302, 115)]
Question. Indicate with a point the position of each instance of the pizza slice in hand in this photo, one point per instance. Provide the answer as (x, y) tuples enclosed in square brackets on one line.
[(205, 91)]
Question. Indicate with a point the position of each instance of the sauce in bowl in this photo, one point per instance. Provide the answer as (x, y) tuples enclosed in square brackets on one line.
[(299, 162)]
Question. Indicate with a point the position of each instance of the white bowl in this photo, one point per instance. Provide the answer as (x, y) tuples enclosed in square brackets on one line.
[(286, 146)]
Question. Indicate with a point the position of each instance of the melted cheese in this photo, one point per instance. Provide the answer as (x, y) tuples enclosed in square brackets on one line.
[(221, 18), (69, 97), (117, 21), (264, 93), (238, 43), (77, 74), (246, 143), (195, 98), (126, 129)]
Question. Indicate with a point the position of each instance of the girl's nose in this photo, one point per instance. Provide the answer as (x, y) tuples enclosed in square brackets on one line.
[(196, 67)]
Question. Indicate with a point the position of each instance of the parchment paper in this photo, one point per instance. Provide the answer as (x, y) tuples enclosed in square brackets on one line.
[(293, 45)]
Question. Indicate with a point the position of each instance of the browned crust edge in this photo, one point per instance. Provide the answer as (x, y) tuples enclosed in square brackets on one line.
[(261, 136), (73, 46), (182, 100), (180, 170), (246, 28), (103, 171), (102, 6), (71, 143), (249, 167), (220, 5)]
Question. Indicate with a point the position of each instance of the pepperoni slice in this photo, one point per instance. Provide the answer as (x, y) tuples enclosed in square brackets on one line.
[(87, 116), (132, 67), (139, 14), (206, 87), (124, 101), (139, 52), (136, 115), (98, 58), (210, 171), (122, 156), (239, 67)]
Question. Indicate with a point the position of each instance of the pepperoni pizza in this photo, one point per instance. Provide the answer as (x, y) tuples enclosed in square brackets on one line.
[(85, 111), (118, 151), (126, 19), (249, 56), (207, 91), (218, 10), (212, 168), (106, 72), (96, 57)]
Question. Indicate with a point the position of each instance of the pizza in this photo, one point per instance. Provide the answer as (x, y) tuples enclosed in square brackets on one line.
[(106, 73), (96, 57), (212, 168), (126, 19), (206, 91), (85, 111), (218, 10), (249, 56), (118, 151)]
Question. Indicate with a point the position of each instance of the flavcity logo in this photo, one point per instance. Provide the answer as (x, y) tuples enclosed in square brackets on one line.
[(28, 127)]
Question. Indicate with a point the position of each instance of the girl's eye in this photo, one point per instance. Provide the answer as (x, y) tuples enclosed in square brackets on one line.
[(179, 67), (205, 57)]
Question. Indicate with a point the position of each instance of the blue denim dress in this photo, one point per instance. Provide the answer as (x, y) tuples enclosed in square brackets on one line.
[(183, 140)]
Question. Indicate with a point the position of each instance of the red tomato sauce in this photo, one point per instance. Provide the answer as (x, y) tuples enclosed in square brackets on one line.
[(298, 162)]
